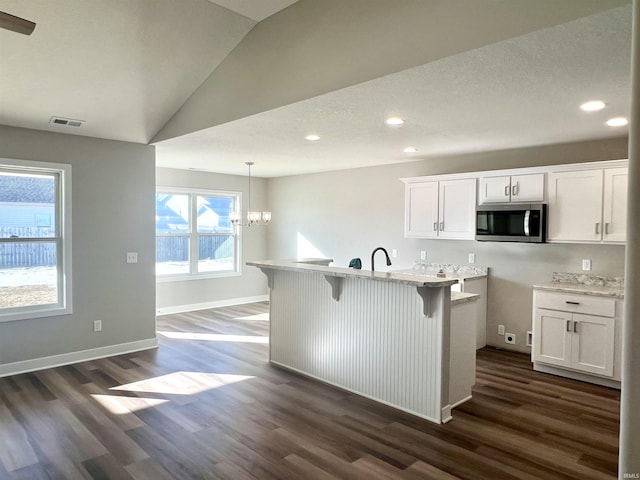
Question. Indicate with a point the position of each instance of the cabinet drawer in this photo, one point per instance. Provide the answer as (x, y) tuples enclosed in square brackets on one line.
[(603, 307)]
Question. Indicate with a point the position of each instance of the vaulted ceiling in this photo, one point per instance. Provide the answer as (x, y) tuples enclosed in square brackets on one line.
[(213, 87)]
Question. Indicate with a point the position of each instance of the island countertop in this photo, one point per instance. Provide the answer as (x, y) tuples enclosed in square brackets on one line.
[(313, 266)]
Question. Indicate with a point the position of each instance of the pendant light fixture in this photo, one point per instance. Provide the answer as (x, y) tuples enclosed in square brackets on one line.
[(253, 218)]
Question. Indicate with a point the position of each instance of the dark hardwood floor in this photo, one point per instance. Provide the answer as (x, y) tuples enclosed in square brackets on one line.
[(206, 404)]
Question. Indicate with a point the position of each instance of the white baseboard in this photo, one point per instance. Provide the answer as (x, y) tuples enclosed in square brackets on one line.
[(215, 304), (35, 364)]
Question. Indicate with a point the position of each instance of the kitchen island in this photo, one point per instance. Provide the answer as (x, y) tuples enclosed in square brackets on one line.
[(382, 335)]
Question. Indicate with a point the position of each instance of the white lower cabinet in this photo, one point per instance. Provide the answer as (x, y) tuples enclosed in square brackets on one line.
[(577, 333)]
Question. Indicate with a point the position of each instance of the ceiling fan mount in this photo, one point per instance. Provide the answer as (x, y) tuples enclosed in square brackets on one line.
[(16, 24)]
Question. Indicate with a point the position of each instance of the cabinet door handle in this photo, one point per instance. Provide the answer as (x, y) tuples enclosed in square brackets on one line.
[(606, 228), (575, 327), (515, 189), (597, 228), (506, 190), (572, 303), (568, 325), (442, 226), (435, 226)]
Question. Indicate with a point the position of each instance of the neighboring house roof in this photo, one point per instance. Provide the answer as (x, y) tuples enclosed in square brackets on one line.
[(27, 189)]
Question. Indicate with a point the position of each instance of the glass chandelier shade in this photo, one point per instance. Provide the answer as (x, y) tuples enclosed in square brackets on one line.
[(254, 218)]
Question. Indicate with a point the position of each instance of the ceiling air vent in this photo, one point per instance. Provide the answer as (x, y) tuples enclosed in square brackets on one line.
[(68, 122)]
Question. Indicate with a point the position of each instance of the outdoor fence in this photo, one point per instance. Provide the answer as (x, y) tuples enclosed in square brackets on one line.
[(168, 249), (27, 254), (176, 249)]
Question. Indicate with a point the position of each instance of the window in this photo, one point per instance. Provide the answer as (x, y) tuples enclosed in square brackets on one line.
[(194, 236), (35, 239)]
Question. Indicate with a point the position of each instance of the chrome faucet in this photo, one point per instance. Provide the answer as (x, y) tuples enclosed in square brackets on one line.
[(386, 254)]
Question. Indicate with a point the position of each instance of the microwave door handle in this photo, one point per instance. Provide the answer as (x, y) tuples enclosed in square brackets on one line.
[(527, 215)]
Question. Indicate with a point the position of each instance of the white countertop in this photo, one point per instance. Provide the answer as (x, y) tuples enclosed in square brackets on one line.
[(311, 266)]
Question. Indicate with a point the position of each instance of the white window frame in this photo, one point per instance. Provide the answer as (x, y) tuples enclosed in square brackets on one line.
[(64, 306), (193, 235)]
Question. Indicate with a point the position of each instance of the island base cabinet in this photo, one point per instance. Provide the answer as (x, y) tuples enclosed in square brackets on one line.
[(375, 339), (462, 356)]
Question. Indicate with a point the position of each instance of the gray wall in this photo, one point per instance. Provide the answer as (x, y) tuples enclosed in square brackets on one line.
[(348, 213), (253, 243), (113, 213)]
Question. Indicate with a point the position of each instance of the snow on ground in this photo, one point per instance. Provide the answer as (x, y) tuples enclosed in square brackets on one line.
[(15, 277)]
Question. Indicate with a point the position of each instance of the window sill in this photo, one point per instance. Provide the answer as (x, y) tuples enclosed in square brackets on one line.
[(196, 276), (35, 313)]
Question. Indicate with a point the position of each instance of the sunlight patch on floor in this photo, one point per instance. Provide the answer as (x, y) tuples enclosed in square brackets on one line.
[(119, 405), (262, 317), (183, 383), (214, 337)]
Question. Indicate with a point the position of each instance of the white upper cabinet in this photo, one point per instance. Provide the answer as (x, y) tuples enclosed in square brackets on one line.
[(614, 214), (421, 210), (512, 188), (457, 211), (588, 205), (440, 209), (586, 202), (575, 206)]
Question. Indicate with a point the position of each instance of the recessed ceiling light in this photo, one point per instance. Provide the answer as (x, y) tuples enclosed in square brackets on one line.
[(394, 121), (592, 106), (312, 137), (410, 150), (617, 122)]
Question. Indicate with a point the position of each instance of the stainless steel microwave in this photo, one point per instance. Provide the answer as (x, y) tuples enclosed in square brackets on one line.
[(512, 222)]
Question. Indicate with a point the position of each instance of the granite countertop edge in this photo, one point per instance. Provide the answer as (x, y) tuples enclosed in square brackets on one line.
[(458, 298), (300, 265), (595, 290)]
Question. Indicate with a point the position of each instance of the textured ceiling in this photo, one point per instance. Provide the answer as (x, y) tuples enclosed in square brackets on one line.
[(520, 92), (124, 67)]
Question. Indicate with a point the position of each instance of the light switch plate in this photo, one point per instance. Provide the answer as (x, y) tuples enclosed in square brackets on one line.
[(472, 258), (586, 264), (132, 257), (394, 253), (423, 254)]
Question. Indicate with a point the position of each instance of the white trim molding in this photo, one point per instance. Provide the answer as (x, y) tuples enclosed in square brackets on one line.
[(53, 361), (207, 305)]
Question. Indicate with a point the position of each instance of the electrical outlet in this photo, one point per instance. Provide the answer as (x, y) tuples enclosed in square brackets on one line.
[(394, 253), (510, 338), (132, 257), (423, 254), (97, 325), (500, 329), (586, 264), (472, 258)]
